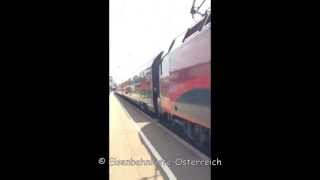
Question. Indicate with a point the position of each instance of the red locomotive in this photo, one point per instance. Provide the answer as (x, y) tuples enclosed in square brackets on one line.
[(176, 85)]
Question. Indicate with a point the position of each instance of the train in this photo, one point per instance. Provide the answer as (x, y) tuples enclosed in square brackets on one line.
[(175, 85)]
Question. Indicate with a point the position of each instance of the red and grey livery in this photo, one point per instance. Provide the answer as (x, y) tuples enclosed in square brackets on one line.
[(176, 85)]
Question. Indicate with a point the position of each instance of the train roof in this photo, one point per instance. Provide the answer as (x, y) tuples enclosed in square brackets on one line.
[(189, 33), (198, 27)]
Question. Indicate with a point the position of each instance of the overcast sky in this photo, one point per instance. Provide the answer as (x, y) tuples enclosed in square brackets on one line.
[(140, 29)]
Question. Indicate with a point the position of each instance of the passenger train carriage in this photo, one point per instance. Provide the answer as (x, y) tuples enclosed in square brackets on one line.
[(176, 85)]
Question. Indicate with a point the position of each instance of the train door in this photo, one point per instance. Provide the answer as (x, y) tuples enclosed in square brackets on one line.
[(155, 82)]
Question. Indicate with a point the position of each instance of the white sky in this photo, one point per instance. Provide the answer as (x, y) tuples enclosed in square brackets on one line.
[(140, 29)]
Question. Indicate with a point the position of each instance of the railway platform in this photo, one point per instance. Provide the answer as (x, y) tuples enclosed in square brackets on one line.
[(141, 149)]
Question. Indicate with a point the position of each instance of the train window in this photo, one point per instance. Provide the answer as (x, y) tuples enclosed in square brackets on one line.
[(165, 68), (164, 65)]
